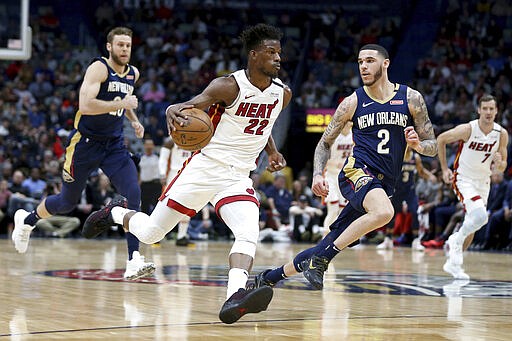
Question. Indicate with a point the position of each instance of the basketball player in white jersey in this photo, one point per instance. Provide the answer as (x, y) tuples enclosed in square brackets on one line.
[(482, 145), (243, 107), (340, 150), (170, 161)]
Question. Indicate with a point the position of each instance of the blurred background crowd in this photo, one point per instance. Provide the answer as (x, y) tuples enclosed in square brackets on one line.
[(452, 51)]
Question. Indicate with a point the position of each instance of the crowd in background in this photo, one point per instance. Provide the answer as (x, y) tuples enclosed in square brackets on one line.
[(179, 52)]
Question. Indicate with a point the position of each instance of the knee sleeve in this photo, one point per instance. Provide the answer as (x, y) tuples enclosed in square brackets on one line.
[(474, 220), (242, 218), (244, 247), (145, 228)]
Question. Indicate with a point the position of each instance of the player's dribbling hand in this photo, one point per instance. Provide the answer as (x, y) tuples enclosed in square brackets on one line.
[(174, 116), (130, 102), (320, 187)]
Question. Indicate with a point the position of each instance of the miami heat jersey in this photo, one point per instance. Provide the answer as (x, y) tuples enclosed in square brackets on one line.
[(340, 150), (474, 157), (178, 158), (378, 132), (245, 126), (115, 87)]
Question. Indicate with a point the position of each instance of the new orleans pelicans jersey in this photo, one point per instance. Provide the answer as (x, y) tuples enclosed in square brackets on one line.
[(115, 87), (378, 132), (243, 128), (407, 178), (340, 150), (474, 157)]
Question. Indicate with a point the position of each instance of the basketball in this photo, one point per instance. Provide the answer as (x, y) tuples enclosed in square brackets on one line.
[(196, 133)]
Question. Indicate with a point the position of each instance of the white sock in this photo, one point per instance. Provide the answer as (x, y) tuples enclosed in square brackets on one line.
[(237, 278), (182, 229), (118, 214)]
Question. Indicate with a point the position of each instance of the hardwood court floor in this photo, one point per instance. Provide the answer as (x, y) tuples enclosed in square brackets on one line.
[(73, 289)]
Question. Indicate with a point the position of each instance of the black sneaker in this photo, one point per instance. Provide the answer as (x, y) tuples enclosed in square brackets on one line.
[(313, 269), (182, 241), (260, 281), (101, 220), (245, 301)]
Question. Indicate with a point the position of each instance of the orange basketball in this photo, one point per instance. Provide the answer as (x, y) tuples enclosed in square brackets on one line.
[(196, 133)]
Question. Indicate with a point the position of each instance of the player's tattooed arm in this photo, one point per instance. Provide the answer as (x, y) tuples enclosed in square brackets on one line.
[(422, 124), (342, 115)]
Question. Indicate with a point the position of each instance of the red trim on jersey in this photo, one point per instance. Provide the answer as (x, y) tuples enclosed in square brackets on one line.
[(180, 208), (457, 155), (235, 198), (215, 112), (476, 197), (185, 163), (456, 190)]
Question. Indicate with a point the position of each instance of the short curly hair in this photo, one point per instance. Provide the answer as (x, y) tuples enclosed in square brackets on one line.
[(254, 36)]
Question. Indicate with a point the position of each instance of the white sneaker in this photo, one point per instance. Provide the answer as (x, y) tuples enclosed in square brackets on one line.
[(137, 268), (416, 245), (21, 233), (455, 270), (453, 289), (454, 250), (387, 244)]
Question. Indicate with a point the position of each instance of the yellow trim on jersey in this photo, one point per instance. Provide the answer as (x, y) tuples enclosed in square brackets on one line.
[(353, 173), (119, 74), (397, 86), (78, 115), (70, 150)]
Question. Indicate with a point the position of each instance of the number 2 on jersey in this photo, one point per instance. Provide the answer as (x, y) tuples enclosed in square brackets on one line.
[(383, 134)]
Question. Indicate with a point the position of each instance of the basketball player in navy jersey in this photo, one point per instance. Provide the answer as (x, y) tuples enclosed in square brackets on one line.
[(387, 117), (97, 142)]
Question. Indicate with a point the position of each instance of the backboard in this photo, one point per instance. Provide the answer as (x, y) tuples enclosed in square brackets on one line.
[(15, 34)]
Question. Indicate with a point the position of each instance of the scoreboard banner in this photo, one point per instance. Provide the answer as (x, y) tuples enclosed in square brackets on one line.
[(317, 119)]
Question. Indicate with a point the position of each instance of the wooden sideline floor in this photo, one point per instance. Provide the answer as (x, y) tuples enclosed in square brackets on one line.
[(72, 289)]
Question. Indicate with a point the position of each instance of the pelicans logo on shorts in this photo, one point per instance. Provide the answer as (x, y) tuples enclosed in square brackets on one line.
[(362, 181), (67, 177)]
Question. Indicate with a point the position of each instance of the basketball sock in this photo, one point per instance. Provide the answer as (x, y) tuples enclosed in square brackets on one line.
[(118, 214), (276, 275), (237, 278), (182, 229), (133, 244), (32, 218), (328, 252)]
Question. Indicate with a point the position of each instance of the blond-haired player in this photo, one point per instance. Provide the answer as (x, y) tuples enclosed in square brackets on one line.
[(482, 145)]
